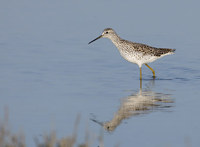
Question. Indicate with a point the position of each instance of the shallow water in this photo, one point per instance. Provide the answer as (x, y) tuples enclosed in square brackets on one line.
[(49, 74)]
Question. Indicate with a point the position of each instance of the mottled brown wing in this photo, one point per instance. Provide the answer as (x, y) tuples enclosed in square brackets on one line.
[(146, 49)]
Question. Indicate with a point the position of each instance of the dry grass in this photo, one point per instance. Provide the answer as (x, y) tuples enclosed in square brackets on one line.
[(9, 139)]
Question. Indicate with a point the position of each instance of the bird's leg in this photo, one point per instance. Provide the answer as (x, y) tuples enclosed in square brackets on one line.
[(140, 84), (140, 73), (151, 70)]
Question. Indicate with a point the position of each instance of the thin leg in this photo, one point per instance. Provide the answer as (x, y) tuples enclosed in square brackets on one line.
[(140, 73), (140, 84), (151, 70)]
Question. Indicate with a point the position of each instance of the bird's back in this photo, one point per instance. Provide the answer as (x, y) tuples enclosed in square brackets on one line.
[(145, 49)]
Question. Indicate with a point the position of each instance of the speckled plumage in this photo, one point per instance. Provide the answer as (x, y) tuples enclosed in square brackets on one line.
[(135, 52)]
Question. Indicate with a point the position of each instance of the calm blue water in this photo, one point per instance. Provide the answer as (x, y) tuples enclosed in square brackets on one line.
[(49, 74)]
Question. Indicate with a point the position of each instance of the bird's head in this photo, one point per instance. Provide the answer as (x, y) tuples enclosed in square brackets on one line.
[(107, 33)]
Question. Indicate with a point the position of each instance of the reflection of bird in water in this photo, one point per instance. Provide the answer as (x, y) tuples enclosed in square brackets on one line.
[(140, 103)]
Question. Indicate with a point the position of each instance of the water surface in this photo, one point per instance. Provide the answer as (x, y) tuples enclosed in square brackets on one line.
[(49, 74)]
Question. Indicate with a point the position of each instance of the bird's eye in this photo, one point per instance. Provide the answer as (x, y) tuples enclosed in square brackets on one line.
[(106, 32)]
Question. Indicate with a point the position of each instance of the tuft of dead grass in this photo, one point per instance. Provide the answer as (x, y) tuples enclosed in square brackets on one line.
[(9, 139)]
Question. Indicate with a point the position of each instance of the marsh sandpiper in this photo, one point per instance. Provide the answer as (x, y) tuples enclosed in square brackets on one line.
[(135, 52)]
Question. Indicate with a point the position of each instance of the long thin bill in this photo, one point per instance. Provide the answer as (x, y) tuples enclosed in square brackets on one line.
[(95, 39)]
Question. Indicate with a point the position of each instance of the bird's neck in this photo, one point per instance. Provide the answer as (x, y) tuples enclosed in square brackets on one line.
[(115, 39)]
